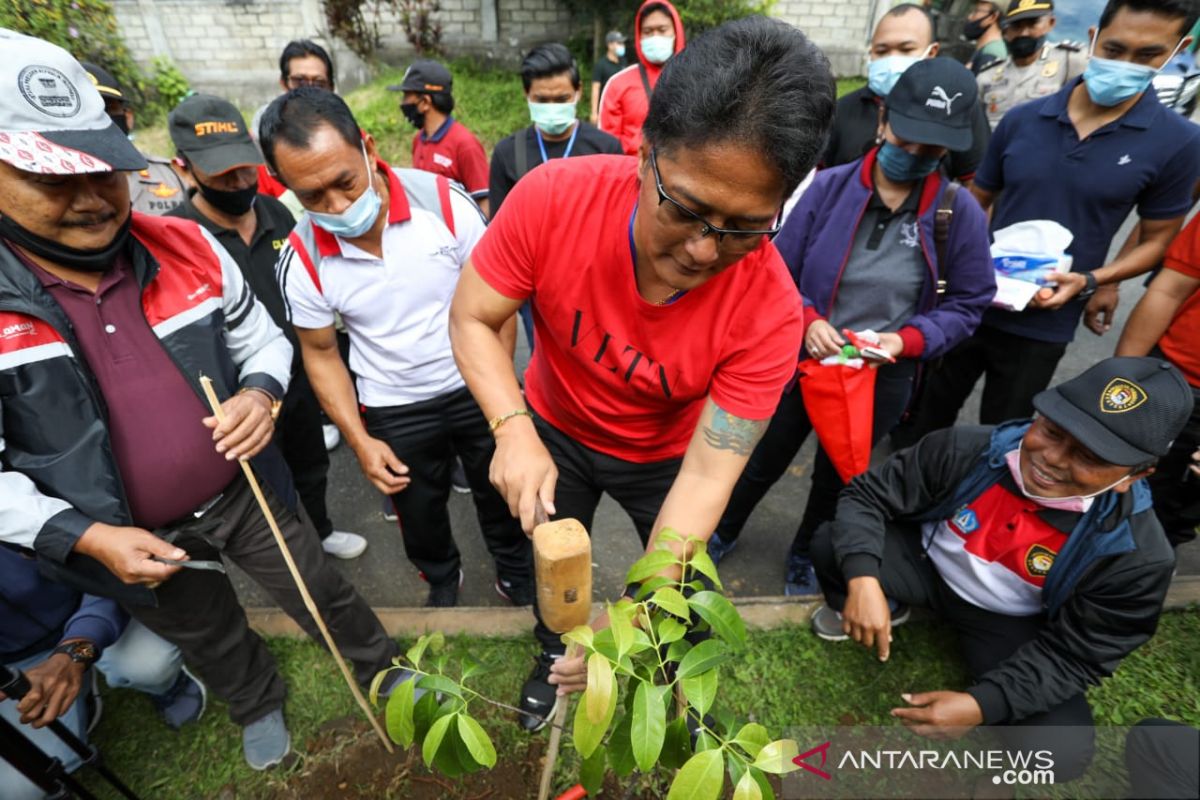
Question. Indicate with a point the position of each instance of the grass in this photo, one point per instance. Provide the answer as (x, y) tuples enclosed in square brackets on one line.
[(490, 102), (786, 678)]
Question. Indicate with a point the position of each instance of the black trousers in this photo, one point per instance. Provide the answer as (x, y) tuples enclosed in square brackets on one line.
[(426, 436), (584, 475), (302, 443), (1161, 758), (986, 638), (1015, 368), (198, 610), (789, 428), (1175, 489)]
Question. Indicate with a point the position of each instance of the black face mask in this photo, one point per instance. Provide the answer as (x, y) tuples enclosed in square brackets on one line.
[(974, 28), (409, 110), (1025, 46), (121, 122), (234, 202), (100, 260)]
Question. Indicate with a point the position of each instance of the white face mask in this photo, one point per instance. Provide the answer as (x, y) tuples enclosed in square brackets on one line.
[(1079, 503)]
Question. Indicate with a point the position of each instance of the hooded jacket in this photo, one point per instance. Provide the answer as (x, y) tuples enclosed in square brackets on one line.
[(1103, 594), (624, 103), (818, 236), (58, 473)]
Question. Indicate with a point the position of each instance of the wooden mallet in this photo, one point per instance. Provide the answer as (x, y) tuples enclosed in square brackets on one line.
[(219, 413), (562, 558)]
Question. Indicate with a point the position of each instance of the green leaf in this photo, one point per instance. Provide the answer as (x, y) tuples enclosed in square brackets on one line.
[(670, 630), (587, 735), (702, 563), (600, 686), (706, 741), (677, 651), (399, 715), (747, 788), (603, 642), (417, 650), (649, 724), (752, 738), (620, 749), (677, 744), (669, 599), (776, 757), (703, 657), (667, 535), (581, 636), (720, 614), (591, 771), (641, 642), (650, 565), (440, 683), (700, 691), (477, 741), (433, 740), (453, 759), (424, 714), (622, 629), (701, 778), (652, 585), (376, 683), (764, 784), (470, 667)]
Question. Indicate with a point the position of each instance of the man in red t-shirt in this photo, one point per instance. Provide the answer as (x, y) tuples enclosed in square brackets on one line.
[(1166, 323), (442, 144), (666, 324)]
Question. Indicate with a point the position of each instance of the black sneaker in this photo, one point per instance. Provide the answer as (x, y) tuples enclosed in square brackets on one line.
[(516, 592), (538, 698), (445, 595)]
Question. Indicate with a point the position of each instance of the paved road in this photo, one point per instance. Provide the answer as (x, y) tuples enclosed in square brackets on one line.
[(386, 578)]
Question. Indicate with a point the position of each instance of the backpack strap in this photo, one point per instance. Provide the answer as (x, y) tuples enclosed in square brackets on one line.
[(520, 158), (443, 191), (941, 235), (645, 80)]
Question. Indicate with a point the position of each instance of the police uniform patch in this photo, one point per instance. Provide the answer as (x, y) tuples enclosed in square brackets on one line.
[(1050, 70), (965, 520), (162, 190), (1038, 560), (1121, 395)]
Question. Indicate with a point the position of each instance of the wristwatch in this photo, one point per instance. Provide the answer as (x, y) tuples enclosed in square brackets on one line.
[(276, 405), (81, 652), (1090, 286)]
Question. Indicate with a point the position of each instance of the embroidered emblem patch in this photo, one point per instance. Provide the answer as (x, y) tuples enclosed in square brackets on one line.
[(1038, 560), (1121, 395), (965, 520)]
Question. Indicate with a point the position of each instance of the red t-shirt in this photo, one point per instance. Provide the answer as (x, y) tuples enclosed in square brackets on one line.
[(1180, 341), (613, 371), (455, 153)]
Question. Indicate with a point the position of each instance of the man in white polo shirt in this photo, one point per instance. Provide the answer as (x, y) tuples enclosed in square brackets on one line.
[(383, 248)]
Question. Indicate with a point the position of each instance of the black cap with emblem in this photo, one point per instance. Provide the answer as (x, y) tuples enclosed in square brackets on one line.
[(1125, 410), (1026, 9), (933, 103)]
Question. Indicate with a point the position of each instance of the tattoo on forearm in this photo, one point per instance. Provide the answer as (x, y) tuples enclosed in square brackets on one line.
[(737, 435)]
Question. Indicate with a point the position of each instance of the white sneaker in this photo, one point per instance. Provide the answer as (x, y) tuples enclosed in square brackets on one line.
[(332, 436), (341, 544)]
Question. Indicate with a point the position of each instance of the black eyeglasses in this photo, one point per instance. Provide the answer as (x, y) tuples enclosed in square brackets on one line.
[(738, 237), (300, 81)]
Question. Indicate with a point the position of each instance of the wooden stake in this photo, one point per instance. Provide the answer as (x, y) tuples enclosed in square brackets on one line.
[(560, 719), (219, 413)]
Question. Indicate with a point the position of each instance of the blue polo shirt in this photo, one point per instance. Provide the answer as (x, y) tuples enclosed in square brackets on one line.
[(1150, 158)]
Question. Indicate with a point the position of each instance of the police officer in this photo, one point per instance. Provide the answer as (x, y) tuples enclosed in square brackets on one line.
[(156, 189), (1033, 68)]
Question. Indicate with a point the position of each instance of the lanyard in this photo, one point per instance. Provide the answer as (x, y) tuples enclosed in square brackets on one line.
[(633, 258), (542, 145)]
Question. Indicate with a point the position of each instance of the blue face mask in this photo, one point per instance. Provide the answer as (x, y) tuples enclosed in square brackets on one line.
[(901, 166), (882, 73), (1110, 83), (359, 217), (619, 50)]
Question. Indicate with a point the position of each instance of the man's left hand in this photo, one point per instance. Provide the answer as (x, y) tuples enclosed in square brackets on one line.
[(1102, 309), (53, 686), (940, 715), (247, 428), (1069, 285)]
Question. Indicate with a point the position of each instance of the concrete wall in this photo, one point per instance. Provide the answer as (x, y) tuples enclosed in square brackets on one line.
[(231, 47)]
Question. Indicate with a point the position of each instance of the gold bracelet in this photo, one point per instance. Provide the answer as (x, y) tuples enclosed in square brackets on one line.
[(495, 423)]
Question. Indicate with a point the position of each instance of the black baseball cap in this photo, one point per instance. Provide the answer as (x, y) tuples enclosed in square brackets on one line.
[(1027, 9), (425, 76), (1125, 410), (52, 120), (211, 133), (614, 36), (104, 81), (933, 103)]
